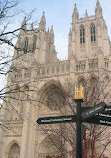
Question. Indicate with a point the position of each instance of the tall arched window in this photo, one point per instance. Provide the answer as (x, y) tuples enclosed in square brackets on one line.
[(14, 151), (26, 45), (34, 43), (93, 33), (93, 81), (82, 35), (82, 82)]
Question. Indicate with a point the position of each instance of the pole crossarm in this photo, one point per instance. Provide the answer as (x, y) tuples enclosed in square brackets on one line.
[(99, 114)]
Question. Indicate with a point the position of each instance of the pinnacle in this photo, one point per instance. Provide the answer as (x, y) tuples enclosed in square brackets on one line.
[(24, 21), (51, 30), (75, 12), (48, 30), (98, 3), (32, 26), (86, 13), (43, 22), (98, 9), (75, 7), (43, 17)]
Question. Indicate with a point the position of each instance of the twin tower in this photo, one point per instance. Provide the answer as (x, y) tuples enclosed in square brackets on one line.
[(87, 37), (38, 78)]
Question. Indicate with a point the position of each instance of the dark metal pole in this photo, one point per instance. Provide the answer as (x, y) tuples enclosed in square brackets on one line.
[(78, 129)]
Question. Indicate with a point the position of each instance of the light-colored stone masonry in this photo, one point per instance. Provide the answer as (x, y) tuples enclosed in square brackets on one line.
[(39, 71)]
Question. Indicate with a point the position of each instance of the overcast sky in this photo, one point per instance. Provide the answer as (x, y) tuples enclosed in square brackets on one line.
[(59, 14)]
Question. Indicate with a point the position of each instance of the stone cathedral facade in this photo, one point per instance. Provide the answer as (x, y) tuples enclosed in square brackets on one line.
[(37, 72)]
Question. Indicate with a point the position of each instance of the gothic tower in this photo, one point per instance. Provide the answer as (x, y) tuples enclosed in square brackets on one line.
[(37, 79), (88, 35)]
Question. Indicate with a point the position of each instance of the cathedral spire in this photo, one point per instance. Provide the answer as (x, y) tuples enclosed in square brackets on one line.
[(98, 10), (86, 13), (48, 30), (24, 23), (70, 35), (52, 35), (75, 15), (42, 25), (32, 28), (51, 30), (23, 27)]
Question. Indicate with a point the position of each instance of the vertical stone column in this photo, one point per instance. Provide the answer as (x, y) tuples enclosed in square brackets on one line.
[(29, 128), (1, 140), (87, 40), (2, 114), (32, 131), (100, 59), (25, 132)]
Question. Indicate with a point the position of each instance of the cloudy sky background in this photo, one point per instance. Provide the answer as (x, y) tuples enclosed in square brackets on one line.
[(59, 14)]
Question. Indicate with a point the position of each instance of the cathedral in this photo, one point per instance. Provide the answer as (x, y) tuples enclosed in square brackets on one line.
[(37, 78)]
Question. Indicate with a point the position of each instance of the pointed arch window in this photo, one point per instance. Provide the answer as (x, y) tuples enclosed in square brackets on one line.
[(93, 33), (26, 45), (34, 43), (82, 35), (14, 151)]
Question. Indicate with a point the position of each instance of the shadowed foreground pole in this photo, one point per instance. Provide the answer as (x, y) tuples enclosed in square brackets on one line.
[(78, 129), (79, 95)]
